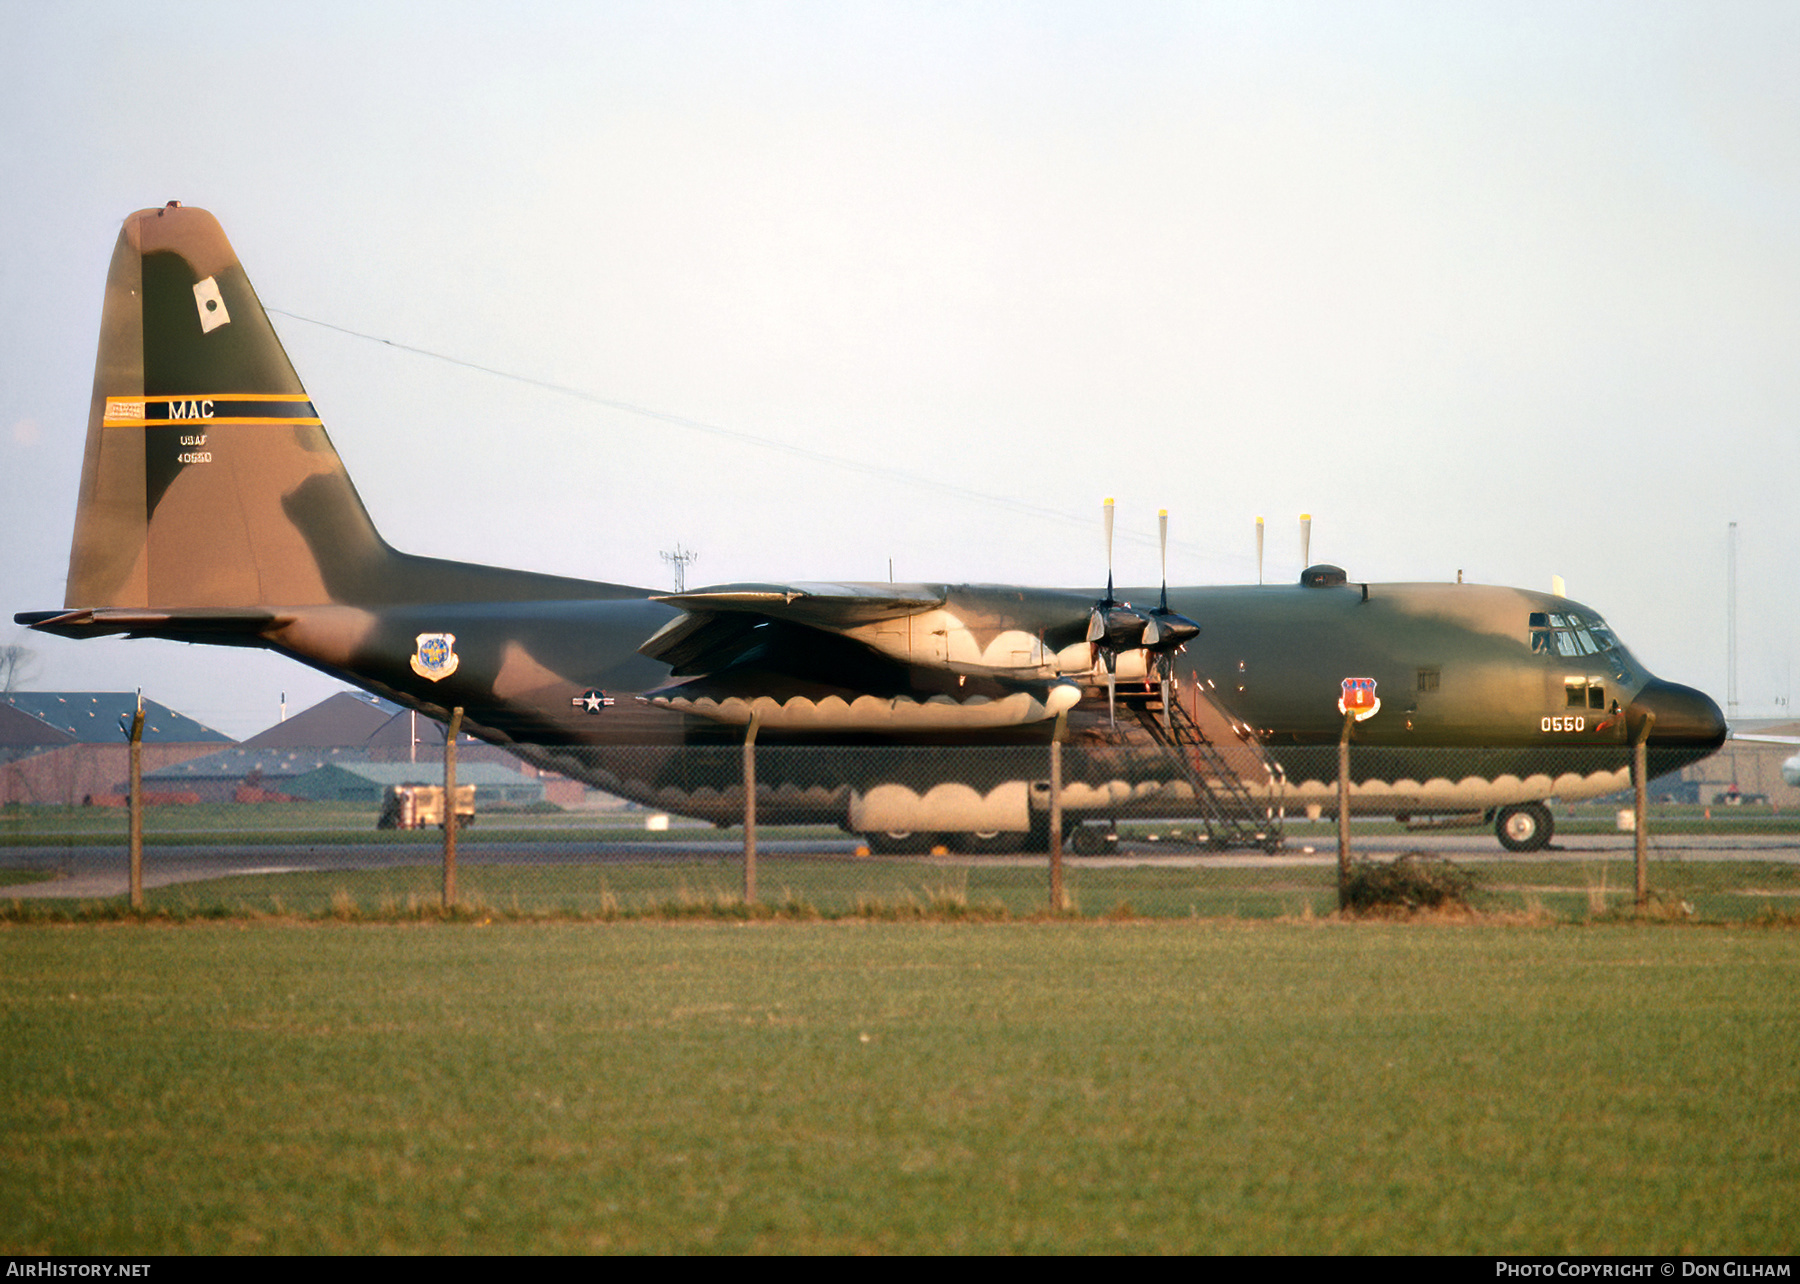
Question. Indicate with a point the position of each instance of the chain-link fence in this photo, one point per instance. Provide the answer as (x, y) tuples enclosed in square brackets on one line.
[(890, 830)]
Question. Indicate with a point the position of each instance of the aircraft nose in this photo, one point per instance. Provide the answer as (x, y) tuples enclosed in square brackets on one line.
[(1684, 716)]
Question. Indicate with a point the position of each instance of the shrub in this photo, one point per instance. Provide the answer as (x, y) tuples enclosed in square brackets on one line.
[(1411, 883)]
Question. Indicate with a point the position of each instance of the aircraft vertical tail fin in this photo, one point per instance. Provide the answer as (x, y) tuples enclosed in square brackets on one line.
[(208, 480)]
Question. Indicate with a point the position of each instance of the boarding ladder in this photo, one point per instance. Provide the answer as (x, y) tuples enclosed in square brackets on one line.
[(1215, 766)]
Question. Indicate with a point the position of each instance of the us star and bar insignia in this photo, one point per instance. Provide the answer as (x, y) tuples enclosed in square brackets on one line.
[(591, 701)]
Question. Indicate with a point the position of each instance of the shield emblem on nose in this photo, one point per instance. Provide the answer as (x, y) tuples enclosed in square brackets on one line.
[(1359, 698)]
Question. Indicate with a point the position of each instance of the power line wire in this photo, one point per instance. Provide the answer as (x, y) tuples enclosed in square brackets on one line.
[(883, 471)]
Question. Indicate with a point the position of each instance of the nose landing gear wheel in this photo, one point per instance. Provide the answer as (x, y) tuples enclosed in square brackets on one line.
[(1524, 828)]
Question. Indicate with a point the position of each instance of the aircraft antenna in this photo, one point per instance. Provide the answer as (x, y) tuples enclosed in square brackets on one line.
[(1259, 548), (1305, 540), (679, 559)]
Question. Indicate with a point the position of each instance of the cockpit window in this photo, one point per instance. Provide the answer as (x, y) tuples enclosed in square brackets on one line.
[(1583, 693), (1572, 636)]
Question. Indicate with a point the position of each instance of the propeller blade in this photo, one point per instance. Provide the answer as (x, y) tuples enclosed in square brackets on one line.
[(1107, 511), (1162, 522)]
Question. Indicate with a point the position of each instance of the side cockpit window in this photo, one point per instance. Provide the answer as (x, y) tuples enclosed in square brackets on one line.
[(1580, 693), (1569, 635)]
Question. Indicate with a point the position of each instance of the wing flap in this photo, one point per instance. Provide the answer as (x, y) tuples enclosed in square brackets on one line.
[(685, 642)]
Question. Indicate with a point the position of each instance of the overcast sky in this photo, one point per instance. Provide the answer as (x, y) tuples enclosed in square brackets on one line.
[(1506, 288)]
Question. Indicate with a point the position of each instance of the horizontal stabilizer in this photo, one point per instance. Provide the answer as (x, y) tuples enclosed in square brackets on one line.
[(209, 624)]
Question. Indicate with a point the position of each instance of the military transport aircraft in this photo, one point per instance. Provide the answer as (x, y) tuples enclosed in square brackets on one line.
[(214, 509), (1790, 769)]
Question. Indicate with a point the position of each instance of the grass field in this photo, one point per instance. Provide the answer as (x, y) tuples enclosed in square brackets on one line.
[(22, 825), (839, 1087), (1571, 891), (552, 864)]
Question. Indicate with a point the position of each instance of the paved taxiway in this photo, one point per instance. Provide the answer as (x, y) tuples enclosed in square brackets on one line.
[(95, 873)]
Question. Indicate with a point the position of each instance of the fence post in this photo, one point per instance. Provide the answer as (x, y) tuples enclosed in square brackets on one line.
[(1057, 901), (1640, 770), (450, 807), (1344, 812), (750, 808), (135, 841)]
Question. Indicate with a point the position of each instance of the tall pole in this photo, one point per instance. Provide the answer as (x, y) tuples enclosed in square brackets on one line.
[(1731, 685), (1344, 812), (135, 842), (450, 807), (679, 559), (750, 808), (1640, 770), (1057, 901)]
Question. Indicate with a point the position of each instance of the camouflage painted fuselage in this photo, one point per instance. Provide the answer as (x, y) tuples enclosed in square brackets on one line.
[(214, 509)]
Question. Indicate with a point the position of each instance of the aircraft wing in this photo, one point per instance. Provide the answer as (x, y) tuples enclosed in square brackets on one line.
[(719, 617), (815, 655), (831, 606)]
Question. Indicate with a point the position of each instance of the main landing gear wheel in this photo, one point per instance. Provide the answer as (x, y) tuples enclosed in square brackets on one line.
[(987, 842), (1524, 828), (1092, 840)]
